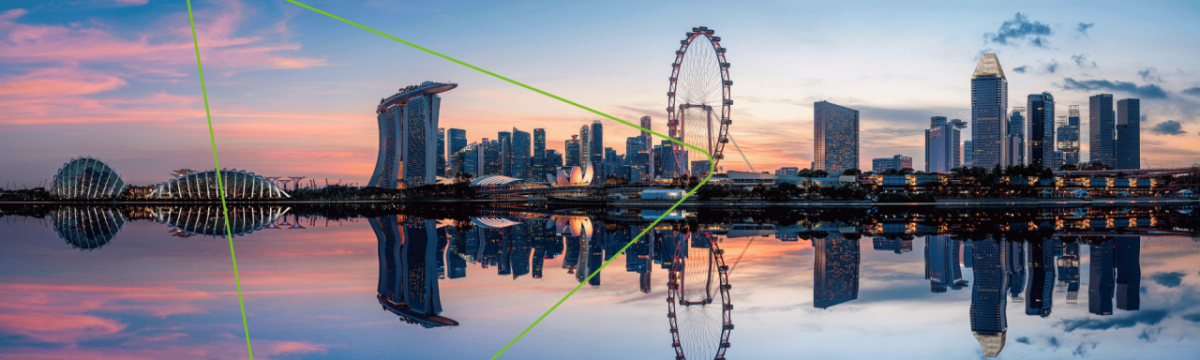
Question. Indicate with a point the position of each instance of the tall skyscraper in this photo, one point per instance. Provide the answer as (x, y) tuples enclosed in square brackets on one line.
[(1041, 130), (408, 124), (539, 142), (458, 140), (597, 142), (942, 149), (835, 273), (520, 155), (441, 152), (989, 107), (1016, 129), (571, 149), (1060, 124), (1039, 296), (1100, 277), (493, 160), (585, 145), (1128, 145), (506, 154), (649, 144), (1101, 125), (835, 132), (968, 153), (1068, 136), (989, 320)]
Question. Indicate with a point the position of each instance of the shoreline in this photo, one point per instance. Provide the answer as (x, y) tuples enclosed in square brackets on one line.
[(638, 203)]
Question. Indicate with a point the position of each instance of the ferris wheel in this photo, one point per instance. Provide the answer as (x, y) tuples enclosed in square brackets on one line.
[(699, 328), (699, 100)]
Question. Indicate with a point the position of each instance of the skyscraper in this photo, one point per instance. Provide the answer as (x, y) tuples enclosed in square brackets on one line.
[(989, 321), (458, 140), (968, 153), (505, 153), (835, 132), (441, 152), (989, 106), (942, 149), (1068, 136), (408, 124), (520, 155), (597, 142), (539, 142), (571, 149), (835, 273), (1128, 145), (1101, 123), (1016, 129), (493, 161), (649, 144), (585, 145), (1041, 130)]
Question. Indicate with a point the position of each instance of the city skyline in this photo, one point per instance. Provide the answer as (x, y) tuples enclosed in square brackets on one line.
[(294, 104)]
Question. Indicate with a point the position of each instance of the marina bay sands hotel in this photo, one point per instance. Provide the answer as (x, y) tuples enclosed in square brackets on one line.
[(408, 130)]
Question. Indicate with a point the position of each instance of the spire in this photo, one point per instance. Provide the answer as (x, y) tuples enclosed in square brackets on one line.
[(992, 343), (989, 65)]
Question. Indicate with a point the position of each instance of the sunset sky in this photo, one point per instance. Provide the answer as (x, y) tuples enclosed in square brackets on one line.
[(293, 92)]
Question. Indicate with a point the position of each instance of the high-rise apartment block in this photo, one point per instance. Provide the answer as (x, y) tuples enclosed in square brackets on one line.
[(835, 129)]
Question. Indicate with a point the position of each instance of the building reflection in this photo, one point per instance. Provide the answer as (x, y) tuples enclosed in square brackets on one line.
[(408, 269), (1100, 276), (87, 228), (1039, 296), (942, 263), (989, 323), (835, 271)]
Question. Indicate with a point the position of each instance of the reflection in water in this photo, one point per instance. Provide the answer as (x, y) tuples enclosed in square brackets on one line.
[(208, 220), (408, 269), (698, 272), (942, 263), (989, 322), (835, 271), (87, 227)]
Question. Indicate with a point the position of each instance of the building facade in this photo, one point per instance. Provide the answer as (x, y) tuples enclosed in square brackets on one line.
[(989, 107), (1128, 142), (441, 152), (1068, 136), (896, 162), (1016, 129), (520, 155), (458, 140), (835, 131), (942, 149), (1101, 125), (408, 125), (968, 153), (1041, 130)]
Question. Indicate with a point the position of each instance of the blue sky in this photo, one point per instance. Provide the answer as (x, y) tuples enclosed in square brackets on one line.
[(292, 91)]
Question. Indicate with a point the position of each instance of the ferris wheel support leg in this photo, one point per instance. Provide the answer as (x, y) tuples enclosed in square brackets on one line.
[(739, 149)]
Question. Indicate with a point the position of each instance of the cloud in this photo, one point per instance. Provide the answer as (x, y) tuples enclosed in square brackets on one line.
[(1012, 32), (1082, 28), (1150, 75), (1083, 61), (1148, 317), (1054, 342), (1021, 69), (1194, 91), (1051, 66), (1149, 91), (1023, 340), (1169, 127), (1171, 279), (1193, 317)]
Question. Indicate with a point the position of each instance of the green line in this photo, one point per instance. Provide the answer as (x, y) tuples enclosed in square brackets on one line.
[(224, 210), (610, 117)]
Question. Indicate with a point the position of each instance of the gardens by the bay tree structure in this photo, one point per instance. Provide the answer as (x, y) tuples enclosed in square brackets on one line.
[(408, 128), (86, 178)]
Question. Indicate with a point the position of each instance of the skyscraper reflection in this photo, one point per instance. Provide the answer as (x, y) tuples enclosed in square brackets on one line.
[(408, 284), (1040, 295), (835, 272), (1129, 272), (1068, 270), (942, 263), (1100, 276), (989, 323)]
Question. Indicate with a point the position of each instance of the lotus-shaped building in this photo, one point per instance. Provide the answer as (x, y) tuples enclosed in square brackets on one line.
[(86, 179), (576, 176)]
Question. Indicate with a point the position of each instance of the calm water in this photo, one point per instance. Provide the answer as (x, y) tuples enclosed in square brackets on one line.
[(328, 282)]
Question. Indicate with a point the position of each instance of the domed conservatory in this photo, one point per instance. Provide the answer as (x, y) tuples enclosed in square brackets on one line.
[(238, 184), (86, 178)]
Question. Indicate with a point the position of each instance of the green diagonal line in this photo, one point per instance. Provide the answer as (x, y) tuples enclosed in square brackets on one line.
[(221, 187), (610, 117)]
